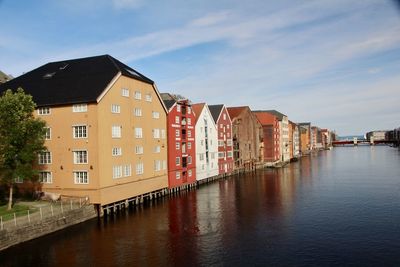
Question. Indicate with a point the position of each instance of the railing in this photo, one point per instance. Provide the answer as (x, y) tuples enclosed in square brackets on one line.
[(41, 210)]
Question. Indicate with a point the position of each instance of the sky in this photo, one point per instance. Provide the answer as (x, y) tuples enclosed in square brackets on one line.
[(333, 63)]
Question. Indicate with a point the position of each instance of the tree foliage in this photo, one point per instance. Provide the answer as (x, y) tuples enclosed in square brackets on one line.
[(21, 137)]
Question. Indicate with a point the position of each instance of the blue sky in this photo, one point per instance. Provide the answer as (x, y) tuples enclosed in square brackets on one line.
[(335, 63)]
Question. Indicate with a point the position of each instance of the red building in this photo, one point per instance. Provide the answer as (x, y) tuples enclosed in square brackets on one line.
[(271, 135), (225, 145), (181, 141)]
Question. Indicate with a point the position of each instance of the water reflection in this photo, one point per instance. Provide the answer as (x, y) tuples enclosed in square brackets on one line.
[(334, 208)]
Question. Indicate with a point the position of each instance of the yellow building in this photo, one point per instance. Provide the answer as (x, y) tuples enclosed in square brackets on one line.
[(106, 135)]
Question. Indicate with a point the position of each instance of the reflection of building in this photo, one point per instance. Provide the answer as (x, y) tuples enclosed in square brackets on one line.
[(181, 141), (106, 135), (225, 145), (271, 136), (246, 131), (376, 135), (206, 143)]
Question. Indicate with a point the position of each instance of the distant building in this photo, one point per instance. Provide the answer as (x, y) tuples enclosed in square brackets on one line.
[(376, 135), (181, 141), (316, 138), (270, 136), (247, 135), (225, 144), (106, 135), (305, 137), (206, 143), (284, 133), (294, 140)]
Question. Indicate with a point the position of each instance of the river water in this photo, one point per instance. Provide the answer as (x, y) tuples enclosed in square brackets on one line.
[(333, 208)]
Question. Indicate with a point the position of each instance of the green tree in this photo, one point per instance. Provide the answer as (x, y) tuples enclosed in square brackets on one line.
[(21, 138)]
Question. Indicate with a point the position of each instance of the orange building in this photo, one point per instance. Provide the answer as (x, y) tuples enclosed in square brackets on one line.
[(106, 135), (271, 135)]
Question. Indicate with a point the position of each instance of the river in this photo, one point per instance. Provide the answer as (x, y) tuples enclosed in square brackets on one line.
[(333, 208)]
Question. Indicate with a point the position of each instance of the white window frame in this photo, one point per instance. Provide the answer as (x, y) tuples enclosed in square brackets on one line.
[(138, 150), (178, 145), (177, 119), (44, 111), (44, 158), (156, 133), (190, 173), (189, 121), (138, 133), (156, 114), (177, 133), (116, 151), (117, 171), (148, 97), (178, 108), (47, 134), (76, 108), (162, 134), (178, 175), (189, 145), (115, 108), (139, 168), (164, 164), (138, 95), (177, 161), (81, 180), (116, 131), (157, 165), (80, 131), (127, 170), (157, 149), (138, 112), (80, 156), (46, 177), (125, 92)]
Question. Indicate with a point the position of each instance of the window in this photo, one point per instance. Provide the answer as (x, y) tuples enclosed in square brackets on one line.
[(202, 142), (178, 161), (227, 126), (127, 170), (189, 144), (190, 173), (201, 156), (178, 175), (116, 151), (221, 155), (177, 145), (157, 149), (157, 165), (44, 111), (156, 133), (45, 177), (139, 168), (138, 133), (79, 108), (45, 157), (213, 155), (138, 112), (221, 126), (47, 134), (224, 116), (115, 108), (81, 177), (229, 142), (189, 121), (80, 157), (139, 150), (138, 95), (18, 180), (164, 165), (178, 108), (189, 133), (189, 160), (156, 115), (177, 119), (189, 110), (79, 131), (148, 97), (229, 154), (116, 131), (177, 133), (125, 92), (220, 143), (162, 134), (117, 172)]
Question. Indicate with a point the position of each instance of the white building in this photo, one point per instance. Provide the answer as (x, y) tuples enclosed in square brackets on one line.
[(206, 143), (296, 141)]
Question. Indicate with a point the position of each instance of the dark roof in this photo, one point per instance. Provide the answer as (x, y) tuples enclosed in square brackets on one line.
[(169, 103), (273, 112), (215, 111), (72, 81)]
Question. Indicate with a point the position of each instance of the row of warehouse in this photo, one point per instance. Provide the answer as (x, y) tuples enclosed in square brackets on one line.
[(111, 136)]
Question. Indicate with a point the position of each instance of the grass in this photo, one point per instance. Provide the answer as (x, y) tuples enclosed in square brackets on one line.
[(20, 210)]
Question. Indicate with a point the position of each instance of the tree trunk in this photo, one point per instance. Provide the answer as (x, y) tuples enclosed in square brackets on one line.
[(10, 198)]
